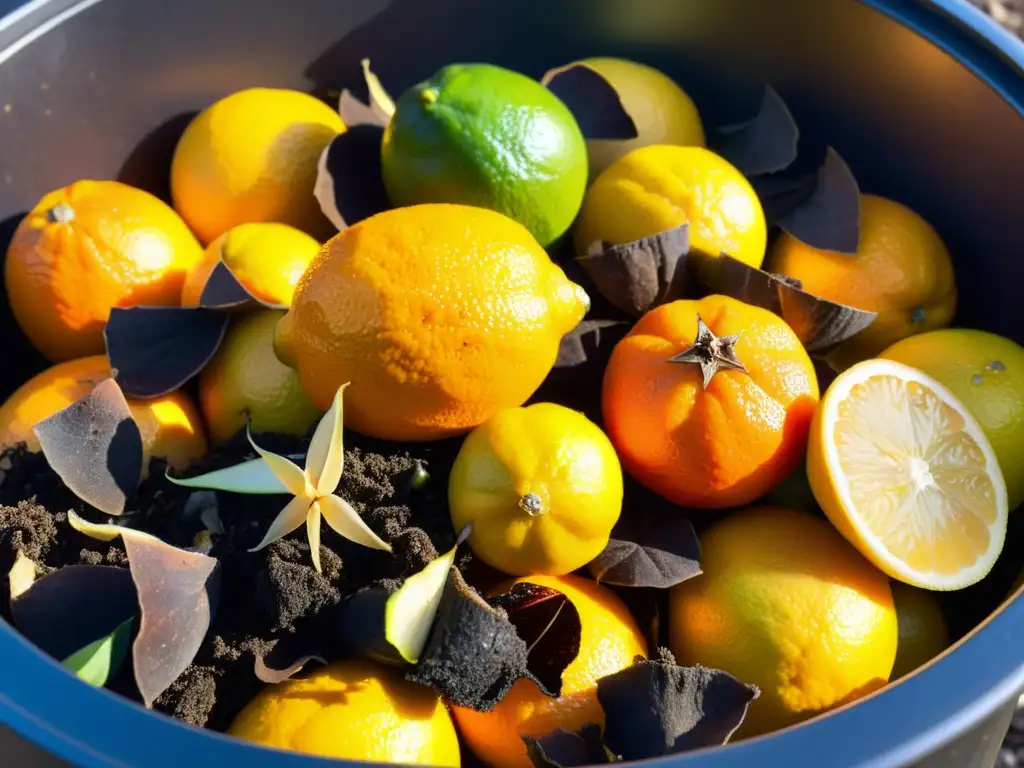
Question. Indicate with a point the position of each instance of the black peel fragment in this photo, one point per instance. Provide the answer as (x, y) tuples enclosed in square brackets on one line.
[(593, 101), (565, 749), (648, 551)]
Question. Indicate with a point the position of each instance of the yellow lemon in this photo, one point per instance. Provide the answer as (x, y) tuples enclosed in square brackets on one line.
[(265, 257), (905, 472), (353, 711), (785, 604), (662, 111), (252, 156), (655, 188), (541, 486), (986, 373), (924, 633), (246, 380)]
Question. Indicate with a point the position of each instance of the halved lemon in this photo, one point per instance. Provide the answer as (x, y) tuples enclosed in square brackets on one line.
[(907, 475)]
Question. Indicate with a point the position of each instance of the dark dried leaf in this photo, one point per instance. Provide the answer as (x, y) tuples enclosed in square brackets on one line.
[(589, 340), (154, 350), (648, 550), (765, 144), (821, 325), (639, 275), (349, 186), (354, 112), (564, 749), (224, 291), (549, 624), (830, 218), (95, 447), (473, 656), (274, 676), (99, 661), (593, 101), (71, 607), (656, 708), (178, 592)]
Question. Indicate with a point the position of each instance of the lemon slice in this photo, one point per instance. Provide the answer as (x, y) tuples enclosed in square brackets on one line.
[(907, 475)]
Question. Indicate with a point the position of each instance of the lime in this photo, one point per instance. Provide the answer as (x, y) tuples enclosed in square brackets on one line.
[(482, 135)]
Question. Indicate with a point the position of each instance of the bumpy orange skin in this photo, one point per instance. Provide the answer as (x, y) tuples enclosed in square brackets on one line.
[(438, 315), (609, 641), (120, 247), (719, 447), (902, 270), (170, 425)]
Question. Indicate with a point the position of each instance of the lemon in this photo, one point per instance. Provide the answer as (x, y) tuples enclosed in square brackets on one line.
[(662, 111), (924, 633), (267, 258), (905, 472), (353, 711), (986, 372), (246, 380), (785, 604), (541, 486), (655, 188)]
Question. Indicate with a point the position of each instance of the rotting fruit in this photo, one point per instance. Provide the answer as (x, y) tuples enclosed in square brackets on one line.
[(404, 306), (478, 134), (784, 603), (355, 711), (656, 188), (542, 488), (708, 402), (986, 373), (609, 641), (252, 156), (85, 249), (170, 425), (902, 270), (906, 474), (266, 258)]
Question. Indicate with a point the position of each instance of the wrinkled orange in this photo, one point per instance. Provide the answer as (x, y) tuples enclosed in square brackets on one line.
[(609, 641), (439, 316), (720, 446), (86, 248), (170, 425)]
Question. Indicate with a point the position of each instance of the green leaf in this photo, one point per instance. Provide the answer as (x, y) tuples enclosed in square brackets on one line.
[(97, 662), (250, 477), (409, 612)]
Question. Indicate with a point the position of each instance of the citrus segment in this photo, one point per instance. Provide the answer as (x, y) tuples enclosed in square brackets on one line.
[(907, 474)]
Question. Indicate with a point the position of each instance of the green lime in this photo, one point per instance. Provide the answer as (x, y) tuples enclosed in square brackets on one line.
[(482, 135)]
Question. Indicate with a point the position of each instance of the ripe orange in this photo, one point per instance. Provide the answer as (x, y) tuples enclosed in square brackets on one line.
[(252, 156), (267, 258), (405, 306), (718, 443), (609, 641), (784, 603), (655, 188), (901, 270), (245, 379), (89, 247), (353, 710), (170, 425)]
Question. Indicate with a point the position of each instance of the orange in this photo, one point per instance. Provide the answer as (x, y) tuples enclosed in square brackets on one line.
[(785, 604), (267, 258), (170, 425), (718, 443), (439, 315), (246, 380), (609, 641), (252, 156), (902, 270), (89, 247), (353, 710), (655, 188), (906, 474), (924, 633)]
